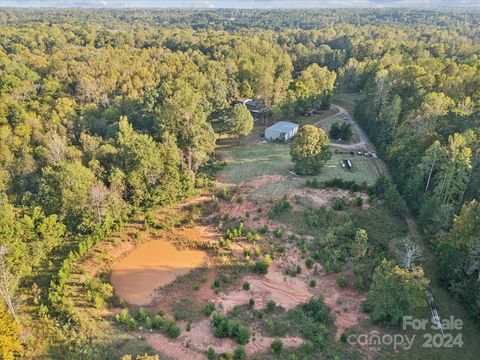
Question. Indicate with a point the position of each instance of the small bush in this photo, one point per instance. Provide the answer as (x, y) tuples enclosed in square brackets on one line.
[(271, 304), (215, 284), (224, 327), (277, 346), (280, 206), (209, 309), (260, 267), (263, 229), (338, 204), (358, 283), (309, 262), (342, 281), (157, 322), (142, 314), (246, 285), (132, 324), (211, 354), (172, 329), (313, 283), (239, 353), (224, 194), (251, 302), (278, 232), (123, 317)]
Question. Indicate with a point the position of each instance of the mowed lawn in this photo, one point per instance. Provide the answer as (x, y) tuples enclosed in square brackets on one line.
[(247, 162)]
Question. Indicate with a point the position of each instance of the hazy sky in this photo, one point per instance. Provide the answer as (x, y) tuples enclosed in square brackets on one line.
[(236, 3)]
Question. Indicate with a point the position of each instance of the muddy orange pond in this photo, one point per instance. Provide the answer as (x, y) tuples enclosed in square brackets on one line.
[(149, 267)]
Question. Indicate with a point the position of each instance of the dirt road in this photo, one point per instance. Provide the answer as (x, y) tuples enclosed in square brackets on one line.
[(364, 142)]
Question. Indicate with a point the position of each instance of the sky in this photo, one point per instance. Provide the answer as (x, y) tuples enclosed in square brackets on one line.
[(261, 4)]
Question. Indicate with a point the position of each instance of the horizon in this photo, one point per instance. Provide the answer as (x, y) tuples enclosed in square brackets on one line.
[(237, 4)]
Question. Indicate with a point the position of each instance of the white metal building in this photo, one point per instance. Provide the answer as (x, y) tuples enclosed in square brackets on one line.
[(282, 130)]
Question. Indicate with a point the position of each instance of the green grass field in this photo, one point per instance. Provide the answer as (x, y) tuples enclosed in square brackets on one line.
[(247, 162), (347, 100)]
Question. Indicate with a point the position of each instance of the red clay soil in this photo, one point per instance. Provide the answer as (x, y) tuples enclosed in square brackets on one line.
[(286, 291), (172, 349), (201, 337), (327, 196)]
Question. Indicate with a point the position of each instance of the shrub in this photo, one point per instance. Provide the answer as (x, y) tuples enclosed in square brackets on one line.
[(132, 324), (338, 204), (263, 229), (246, 285), (271, 304), (98, 293), (280, 206), (298, 269), (208, 309), (239, 353), (277, 346), (189, 326), (252, 236), (342, 281), (260, 267), (123, 317), (309, 262), (278, 232), (357, 201), (251, 302), (142, 314), (157, 322), (215, 283), (224, 327), (211, 354), (224, 194), (148, 323), (313, 283), (358, 283), (172, 329), (261, 314)]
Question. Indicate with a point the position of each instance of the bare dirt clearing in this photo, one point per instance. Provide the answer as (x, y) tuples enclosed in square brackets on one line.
[(286, 291), (192, 344)]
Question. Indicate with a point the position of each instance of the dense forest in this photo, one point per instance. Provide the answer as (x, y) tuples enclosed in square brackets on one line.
[(104, 114)]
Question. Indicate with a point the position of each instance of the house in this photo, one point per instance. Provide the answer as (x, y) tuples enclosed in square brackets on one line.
[(242, 101), (249, 103), (255, 107), (282, 130)]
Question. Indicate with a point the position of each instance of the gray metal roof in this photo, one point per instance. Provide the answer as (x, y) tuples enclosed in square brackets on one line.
[(283, 126)]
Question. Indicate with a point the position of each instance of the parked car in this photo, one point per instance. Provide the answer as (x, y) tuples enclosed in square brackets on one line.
[(359, 153)]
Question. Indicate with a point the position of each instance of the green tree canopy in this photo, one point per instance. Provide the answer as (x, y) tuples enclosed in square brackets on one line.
[(309, 150), (396, 292)]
